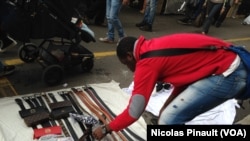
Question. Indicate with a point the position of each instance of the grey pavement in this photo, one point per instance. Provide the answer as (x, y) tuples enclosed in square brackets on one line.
[(27, 78)]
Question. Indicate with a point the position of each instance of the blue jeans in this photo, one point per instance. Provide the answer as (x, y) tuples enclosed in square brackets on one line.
[(112, 11), (204, 95), (212, 9), (150, 11)]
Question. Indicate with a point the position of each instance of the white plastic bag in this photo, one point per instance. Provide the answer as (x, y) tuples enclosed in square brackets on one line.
[(246, 21)]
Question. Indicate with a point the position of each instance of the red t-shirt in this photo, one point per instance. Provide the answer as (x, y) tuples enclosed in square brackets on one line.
[(180, 70)]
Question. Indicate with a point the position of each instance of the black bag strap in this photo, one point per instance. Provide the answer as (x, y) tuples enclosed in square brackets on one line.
[(174, 51)]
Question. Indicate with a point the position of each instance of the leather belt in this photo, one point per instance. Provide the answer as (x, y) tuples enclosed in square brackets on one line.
[(92, 93), (33, 120), (42, 103), (73, 96), (26, 98), (104, 108), (27, 112), (20, 103), (102, 115), (60, 104), (71, 130), (34, 100), (46, 123), (37, 115), (65, 95), (65, 131), (89, 127)]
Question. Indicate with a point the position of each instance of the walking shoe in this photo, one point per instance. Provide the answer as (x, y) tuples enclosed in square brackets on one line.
[(140, 24), (6, 44), (142, 11), (217, 24), (106, 40), (146, 28), (7, 70), (185, 21)]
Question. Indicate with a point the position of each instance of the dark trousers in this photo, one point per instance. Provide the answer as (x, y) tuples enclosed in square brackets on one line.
[(220, 17), (97, 10), (4, 11)]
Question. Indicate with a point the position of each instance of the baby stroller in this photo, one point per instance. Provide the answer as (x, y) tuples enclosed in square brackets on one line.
[(60, 26)]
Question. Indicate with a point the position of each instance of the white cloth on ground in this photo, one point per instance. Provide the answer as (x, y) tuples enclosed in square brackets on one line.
[(222, 114), (13, 127)]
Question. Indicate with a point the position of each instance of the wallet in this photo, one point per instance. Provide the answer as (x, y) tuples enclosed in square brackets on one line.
[(36, 119), (48, 130), (32, 111), (60, 104), (61, 112)]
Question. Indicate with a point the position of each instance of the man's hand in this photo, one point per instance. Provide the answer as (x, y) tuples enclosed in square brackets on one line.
[(222, 10), (100, 131)]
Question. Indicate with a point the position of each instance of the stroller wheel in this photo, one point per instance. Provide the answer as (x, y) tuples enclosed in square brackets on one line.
[(28, 52), (53, 75), (87, 64)]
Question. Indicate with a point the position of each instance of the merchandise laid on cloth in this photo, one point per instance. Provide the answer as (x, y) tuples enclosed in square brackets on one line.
[(67, 114), (222, 114)]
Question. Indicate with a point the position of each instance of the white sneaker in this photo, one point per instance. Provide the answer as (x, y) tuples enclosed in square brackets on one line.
[(106, 40)]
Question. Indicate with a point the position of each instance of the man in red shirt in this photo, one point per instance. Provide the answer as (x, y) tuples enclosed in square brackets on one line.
[(202, 79)]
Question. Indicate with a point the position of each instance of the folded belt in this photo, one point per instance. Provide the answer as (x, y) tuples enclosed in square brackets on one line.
[(65, 95), (65, 131), (71, 130)]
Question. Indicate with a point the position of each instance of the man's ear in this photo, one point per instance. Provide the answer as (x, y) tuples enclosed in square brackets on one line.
[(130, 56)]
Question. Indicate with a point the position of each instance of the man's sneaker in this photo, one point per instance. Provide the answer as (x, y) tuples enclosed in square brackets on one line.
[(185, 21), (217, 24), (140, 24), (7, 43), (106, 40), (146, 28), (7, 70)]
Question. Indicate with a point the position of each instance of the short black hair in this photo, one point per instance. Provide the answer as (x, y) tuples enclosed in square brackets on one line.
[(125, 45)]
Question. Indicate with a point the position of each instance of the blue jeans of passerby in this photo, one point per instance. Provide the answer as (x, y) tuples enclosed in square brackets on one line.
[(198, 9), (150, 11), (113, 8), (212, 9), (204, 95)]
